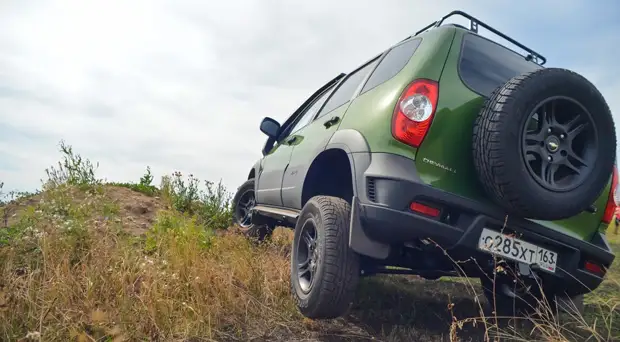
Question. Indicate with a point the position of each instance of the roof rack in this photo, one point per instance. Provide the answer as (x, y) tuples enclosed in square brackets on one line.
[(473, 26)]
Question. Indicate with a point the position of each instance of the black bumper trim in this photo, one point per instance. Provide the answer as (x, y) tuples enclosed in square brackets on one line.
[(389, 220), (394, 227)]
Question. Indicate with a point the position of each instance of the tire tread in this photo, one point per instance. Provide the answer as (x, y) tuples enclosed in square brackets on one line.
[(341, 264), (489, 152)]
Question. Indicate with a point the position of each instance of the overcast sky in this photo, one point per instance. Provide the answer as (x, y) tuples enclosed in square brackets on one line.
[(183, 84)]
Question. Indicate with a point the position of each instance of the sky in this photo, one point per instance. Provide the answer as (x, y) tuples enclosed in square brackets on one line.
[(182, 85)]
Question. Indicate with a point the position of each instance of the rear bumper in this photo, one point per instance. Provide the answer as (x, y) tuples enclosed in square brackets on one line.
[(385, 217)]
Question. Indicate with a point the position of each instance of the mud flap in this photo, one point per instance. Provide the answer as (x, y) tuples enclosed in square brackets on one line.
[(359, 241)]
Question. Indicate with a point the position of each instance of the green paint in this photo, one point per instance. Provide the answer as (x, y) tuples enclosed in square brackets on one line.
[(371, 112), (449, 140), (444, 159), (305, 152)]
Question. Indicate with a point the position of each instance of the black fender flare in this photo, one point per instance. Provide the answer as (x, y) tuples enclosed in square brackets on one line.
[(358, 151), (354, 144)]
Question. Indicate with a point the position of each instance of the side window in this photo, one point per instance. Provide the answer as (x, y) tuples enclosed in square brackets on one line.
[(311, 111), (393, 62), (346, 89)]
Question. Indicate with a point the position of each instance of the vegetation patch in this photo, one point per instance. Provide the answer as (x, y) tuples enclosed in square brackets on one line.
[(87, 260)]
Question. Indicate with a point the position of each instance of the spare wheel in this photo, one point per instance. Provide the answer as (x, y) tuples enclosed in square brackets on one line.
[(544, 144)]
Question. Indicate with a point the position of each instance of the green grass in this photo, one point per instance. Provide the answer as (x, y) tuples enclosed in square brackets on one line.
[(603, 305)]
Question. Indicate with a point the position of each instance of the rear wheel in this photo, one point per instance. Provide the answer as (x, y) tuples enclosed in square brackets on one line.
[(324, 270), (243, 204)]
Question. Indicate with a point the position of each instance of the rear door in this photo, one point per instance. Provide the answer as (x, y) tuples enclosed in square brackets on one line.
[(312, 139), (275, 162)]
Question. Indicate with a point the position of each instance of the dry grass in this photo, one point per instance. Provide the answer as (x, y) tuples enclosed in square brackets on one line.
[(91, 262), (81, 274), (598, 322)]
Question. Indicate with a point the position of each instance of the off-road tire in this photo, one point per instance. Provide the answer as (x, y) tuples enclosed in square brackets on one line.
[(256, 232), (497, 145), (337, 272)]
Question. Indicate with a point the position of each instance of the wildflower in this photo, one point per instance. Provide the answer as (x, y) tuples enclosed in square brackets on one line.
[(33, 335)]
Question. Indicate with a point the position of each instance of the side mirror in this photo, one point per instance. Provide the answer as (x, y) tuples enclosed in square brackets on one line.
[(270, 127)]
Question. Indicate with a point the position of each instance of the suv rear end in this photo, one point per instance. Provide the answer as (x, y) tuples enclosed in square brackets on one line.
[(422, 185), (475, 67)]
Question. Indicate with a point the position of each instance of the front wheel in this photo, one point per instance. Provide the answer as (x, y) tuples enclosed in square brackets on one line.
[(324, 270), (243, 203)]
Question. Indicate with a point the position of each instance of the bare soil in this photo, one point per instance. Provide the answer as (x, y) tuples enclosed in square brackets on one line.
[(137, 210)]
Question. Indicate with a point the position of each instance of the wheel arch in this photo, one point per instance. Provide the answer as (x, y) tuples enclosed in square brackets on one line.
[(329, 174), (255, 170), (351, 149), (343, 149)]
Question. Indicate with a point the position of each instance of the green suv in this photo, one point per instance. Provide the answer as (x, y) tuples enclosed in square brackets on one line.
[(447, 146)]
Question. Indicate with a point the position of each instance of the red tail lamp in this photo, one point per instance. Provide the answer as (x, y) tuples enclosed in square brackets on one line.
[(414, 112)]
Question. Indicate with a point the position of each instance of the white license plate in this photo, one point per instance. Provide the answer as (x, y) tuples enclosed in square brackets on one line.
[(516, 249)]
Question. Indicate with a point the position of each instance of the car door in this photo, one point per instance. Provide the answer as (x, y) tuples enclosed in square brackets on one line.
[(310, 140), (269, 181), (275, 161)]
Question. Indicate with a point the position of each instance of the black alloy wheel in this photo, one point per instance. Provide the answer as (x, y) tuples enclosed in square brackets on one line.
[(243, 209), (243, 213), (559, 144), (307, 256)]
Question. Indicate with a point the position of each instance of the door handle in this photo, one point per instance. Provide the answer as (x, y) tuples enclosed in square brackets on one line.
[(334, 120), (291, 140)]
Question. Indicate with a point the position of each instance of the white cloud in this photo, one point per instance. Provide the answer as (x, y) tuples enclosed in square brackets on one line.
[(184, 84)]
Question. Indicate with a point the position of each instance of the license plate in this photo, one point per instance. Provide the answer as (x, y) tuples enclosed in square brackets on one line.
[(516, 249)]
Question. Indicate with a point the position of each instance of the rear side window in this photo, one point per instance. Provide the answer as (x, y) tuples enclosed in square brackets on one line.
[(485, 65), (393, 62), (345, 91)]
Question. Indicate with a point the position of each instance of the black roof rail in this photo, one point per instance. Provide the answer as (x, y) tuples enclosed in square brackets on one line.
[(473, 26)]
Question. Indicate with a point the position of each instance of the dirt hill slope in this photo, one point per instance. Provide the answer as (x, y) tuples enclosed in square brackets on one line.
[(137, 210)]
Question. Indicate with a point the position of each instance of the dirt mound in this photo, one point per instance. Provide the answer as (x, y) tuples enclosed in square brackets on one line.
[(137, 211)]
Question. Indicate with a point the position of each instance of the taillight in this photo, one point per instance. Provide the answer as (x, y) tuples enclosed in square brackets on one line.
[(414, 112), (611, 203)]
